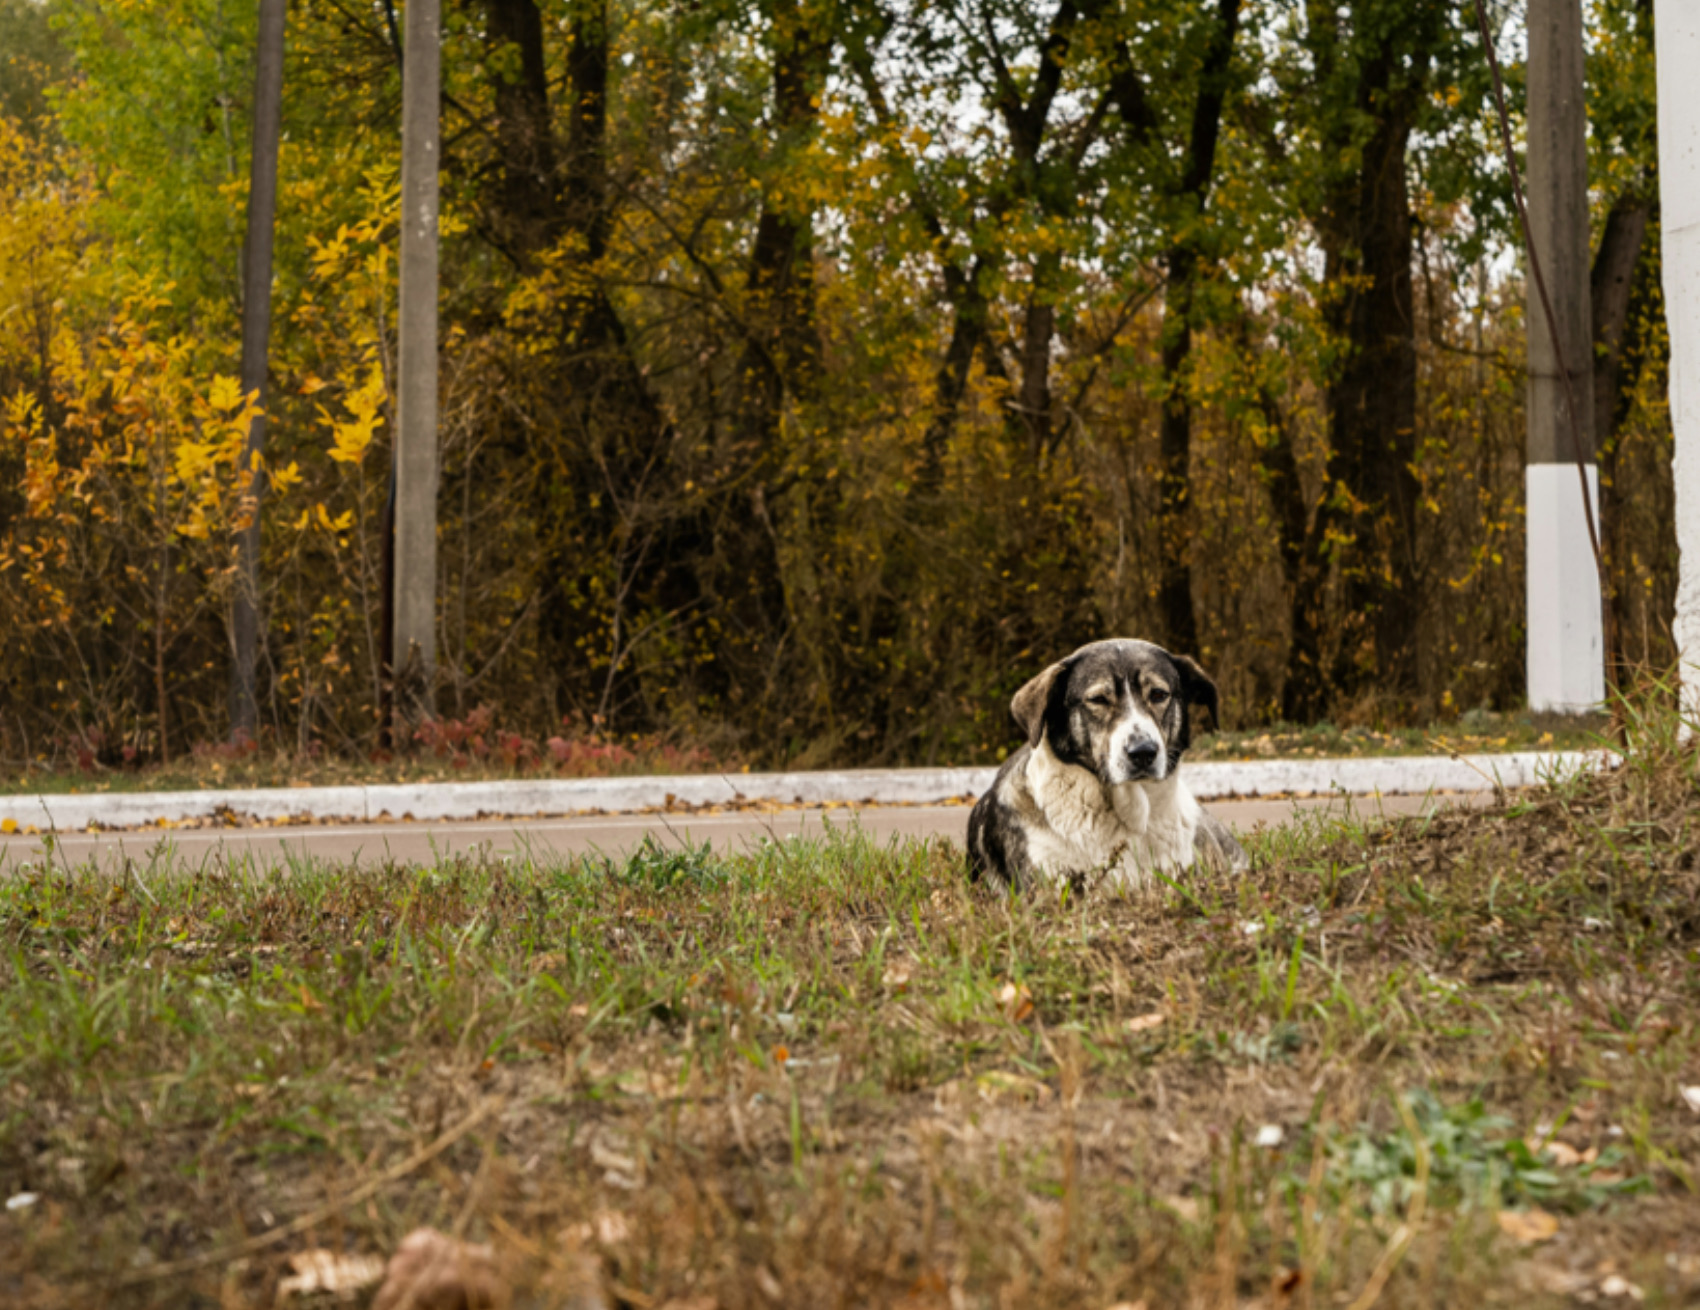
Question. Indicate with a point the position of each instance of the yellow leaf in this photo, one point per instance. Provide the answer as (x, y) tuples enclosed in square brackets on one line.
[(1528, 1227), (226, 393)]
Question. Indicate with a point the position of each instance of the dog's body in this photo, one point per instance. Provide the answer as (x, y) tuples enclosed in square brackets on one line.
[(1095, 794)]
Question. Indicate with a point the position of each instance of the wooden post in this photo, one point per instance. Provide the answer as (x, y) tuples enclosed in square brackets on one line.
[(1566, 638), (256, 335), (413, 658)]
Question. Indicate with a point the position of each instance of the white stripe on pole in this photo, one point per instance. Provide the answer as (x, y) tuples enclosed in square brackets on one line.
[(1566, 649), (1677, 32)]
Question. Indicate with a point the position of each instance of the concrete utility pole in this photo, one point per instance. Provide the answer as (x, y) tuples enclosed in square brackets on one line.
[(1566, 654), (1677, 33), (414, 658), (256, 341)]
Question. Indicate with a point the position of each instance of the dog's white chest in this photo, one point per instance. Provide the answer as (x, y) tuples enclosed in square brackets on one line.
[(1078, 826)]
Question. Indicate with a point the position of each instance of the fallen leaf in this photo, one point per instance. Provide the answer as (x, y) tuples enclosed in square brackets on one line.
[(432, 1271), (319, 1271), (8, 826), (1564, 1155), (769, 1285), (1691, 1098), (1130, 1305), (1616, 1285), (1184, 1206), (997, 1084), (1144, 1023), (604, 1157), (1528, 1227), (928, 1292), (898, 975), (1016, 1000)]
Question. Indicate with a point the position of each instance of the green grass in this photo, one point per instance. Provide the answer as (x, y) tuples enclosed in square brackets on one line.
[(835, 1073), (1476, 732)]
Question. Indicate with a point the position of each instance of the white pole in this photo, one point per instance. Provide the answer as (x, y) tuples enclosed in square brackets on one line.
[(1677, 33), (1566, 639)]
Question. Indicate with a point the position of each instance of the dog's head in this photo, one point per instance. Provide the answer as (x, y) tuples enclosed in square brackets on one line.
[(1121, 709)]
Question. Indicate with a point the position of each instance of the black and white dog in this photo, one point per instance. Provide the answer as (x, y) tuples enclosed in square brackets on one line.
[(1094, 796)]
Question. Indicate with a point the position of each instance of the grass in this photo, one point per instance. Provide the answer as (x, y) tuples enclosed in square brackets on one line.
[(1482, 732), (835, 1073), (1477, 732)]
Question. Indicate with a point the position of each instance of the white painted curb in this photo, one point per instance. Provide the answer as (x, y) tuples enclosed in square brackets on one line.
[(468, 800)]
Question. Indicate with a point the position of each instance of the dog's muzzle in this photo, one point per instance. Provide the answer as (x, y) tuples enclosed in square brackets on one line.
[(1142, 760)]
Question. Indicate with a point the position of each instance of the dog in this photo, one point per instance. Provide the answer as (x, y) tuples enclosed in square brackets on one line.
[(1095, 796)]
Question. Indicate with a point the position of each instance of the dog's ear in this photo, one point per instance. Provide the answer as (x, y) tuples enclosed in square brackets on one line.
[(1197, 688), (1028, 705)]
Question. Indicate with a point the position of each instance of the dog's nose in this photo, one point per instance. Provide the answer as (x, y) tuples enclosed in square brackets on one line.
[(1142, 755)]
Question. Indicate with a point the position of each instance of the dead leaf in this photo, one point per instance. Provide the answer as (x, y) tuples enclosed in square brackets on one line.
[(999, 1085), (604, 1156), (769, 1285), (1130, 1305), (898, 975), (1016, 1000), (1691, 1098), (1616, 1285), (319, 1271), (1562, 1154), (1144, 1023), (928, 1292), (1184, 1206), (1528, 1227), (432, 1271)]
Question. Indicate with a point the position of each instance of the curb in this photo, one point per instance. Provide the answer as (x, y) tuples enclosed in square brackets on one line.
[(1210, 780)]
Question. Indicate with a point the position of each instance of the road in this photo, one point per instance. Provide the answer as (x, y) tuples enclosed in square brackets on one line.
[(420, 843)]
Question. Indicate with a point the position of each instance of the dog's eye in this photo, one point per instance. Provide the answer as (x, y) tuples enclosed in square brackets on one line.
[(1158, 695), (1101, 699)]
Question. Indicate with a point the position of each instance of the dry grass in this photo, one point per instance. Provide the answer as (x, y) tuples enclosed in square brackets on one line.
[(832, 1074)]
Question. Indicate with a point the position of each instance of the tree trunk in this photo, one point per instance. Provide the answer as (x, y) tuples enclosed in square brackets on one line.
[(1612, 283), (601, 494), (527, 217), (1174, 521), (966, 334), (1612, 280), (1174, 517), (781, 350), (1372, 406), (256, 333)]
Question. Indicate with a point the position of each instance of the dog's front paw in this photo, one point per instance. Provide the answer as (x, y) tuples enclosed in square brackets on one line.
[(1215, 848)]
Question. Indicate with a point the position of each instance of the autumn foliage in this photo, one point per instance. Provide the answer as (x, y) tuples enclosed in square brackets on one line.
[(811, 373)]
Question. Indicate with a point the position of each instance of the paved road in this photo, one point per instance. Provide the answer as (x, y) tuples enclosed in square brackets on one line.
[(556, 838)]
